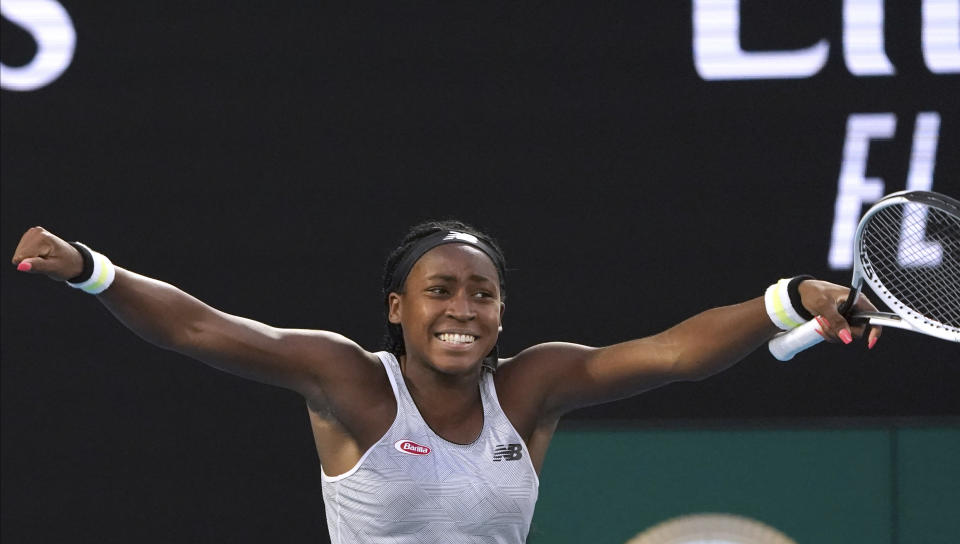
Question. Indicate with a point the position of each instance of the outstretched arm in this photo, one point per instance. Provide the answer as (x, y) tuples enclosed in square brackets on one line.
[(301, 360), (570, 376)]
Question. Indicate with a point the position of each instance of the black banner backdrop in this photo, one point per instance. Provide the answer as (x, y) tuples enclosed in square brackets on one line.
[(266, 158)]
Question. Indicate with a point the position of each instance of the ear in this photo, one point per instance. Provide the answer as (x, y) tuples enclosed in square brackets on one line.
[(503, 308), (393, 308)]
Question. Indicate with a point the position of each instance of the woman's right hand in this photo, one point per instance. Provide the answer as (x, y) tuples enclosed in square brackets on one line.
[(41, 252)]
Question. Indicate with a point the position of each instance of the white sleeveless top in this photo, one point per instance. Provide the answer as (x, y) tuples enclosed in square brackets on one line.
[(413, 486)]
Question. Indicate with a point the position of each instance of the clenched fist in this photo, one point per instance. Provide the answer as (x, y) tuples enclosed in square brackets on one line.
[(41, 252)]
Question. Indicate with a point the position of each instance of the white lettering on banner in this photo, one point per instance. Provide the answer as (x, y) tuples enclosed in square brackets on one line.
[(924, 153), (50, 25), (854, 188), (718, 55), (920, 178), (863, 38), (941, 36)]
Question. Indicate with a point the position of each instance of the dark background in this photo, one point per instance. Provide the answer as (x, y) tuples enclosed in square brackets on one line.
[(266, 158)]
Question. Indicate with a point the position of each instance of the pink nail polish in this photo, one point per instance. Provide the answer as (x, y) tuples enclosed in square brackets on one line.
[(24, 267), (845, 336), (820, 333), (871, 343)]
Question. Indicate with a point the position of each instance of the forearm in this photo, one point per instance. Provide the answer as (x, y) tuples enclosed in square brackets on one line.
[(697, 348), (156, 311), (168, 317), (716, 339), (694, 349), (163, 315), (700, 346)]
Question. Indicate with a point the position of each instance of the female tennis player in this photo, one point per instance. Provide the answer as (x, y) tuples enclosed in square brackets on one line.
[(436, 439)]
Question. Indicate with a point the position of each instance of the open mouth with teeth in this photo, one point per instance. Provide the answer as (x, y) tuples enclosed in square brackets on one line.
[(455, 338)]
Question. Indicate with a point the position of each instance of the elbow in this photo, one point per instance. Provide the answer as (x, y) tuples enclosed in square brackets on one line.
[(181, 336), (673, 360), (691, 361), (185, 338), (687, 366), (166, 339)]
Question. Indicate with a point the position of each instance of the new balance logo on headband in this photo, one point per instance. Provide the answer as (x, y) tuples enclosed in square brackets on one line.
[(508, 452), (468, 238)]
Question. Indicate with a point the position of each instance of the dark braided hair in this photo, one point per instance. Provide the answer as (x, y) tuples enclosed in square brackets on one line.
[(393, 340)]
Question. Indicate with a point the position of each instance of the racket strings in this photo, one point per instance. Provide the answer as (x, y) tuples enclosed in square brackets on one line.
[(940, 247), (915, 252)]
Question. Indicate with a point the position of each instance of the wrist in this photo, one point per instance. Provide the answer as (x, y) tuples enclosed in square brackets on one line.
[(793, 291), (86, 263), (784, 305), (97, 273)]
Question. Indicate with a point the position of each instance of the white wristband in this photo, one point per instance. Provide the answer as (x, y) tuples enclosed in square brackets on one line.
[(779, 307), (102, 276)]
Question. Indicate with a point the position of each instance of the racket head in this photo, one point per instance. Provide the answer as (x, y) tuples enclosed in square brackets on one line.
[(908, 253)]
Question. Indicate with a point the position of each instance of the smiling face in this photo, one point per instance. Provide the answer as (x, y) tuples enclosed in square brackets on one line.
[(450, 309)]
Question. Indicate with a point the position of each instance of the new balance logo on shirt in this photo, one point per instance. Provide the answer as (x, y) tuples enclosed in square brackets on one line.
[(508, 452)]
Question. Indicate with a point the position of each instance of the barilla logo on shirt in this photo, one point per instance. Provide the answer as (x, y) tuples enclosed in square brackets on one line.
[(410, 448)]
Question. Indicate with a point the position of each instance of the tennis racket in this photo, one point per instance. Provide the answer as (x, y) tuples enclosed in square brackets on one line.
[(908, 252)]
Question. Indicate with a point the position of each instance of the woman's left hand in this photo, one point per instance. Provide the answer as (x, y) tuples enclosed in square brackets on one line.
[(822, 299)]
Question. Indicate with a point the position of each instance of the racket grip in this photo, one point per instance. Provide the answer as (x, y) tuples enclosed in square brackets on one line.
[(787, 344)]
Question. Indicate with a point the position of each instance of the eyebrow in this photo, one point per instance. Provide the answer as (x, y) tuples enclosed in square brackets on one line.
[(450, 278)]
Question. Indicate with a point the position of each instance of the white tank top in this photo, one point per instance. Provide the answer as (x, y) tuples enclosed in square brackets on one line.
[(413, 486)]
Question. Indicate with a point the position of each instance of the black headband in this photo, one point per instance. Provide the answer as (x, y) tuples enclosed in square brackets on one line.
[(438, 239)]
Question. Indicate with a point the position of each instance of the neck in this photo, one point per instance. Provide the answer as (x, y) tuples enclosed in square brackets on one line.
[(444, 400)]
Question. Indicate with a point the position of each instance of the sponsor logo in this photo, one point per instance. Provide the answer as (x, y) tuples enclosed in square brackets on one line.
[(410, 448), (469, 238), (508, 452)]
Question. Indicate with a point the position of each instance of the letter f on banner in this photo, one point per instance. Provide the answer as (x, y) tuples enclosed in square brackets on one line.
[(854, 188)]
